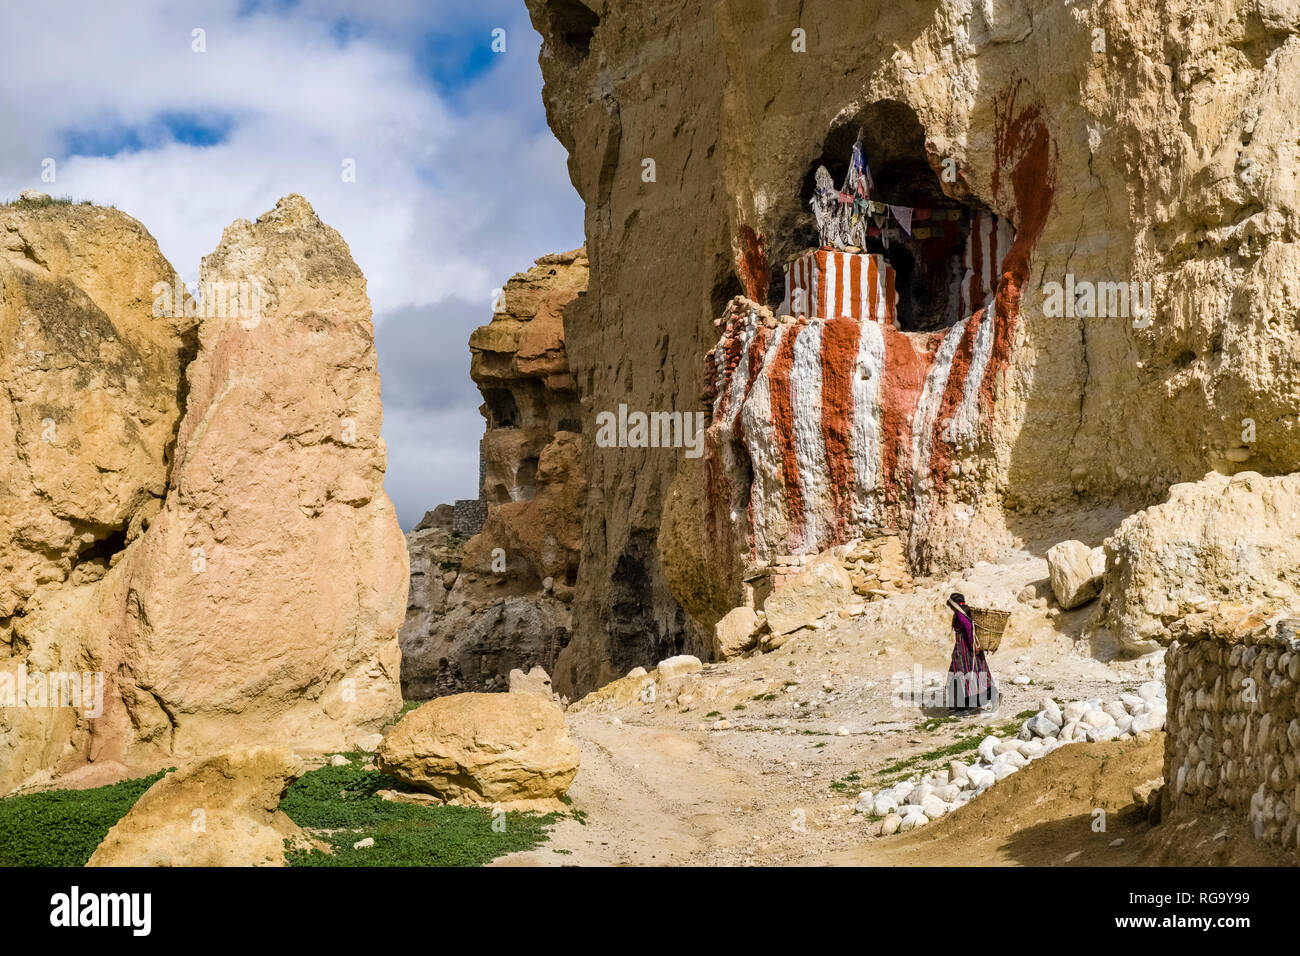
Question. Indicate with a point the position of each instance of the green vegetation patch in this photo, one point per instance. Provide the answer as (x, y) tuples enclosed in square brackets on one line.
[(63, 827), (21, 203), (849, 784), (341, 806), (935, 759)]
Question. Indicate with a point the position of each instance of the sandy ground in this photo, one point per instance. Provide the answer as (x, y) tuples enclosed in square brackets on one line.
[(811, 724)]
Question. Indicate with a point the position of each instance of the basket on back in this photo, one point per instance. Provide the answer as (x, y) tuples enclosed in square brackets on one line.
[(989, 625)]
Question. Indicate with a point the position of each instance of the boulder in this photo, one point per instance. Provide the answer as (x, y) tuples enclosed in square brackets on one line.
[(672, 668), (1043, 726), (818, 590), (1148, 722), (508, 749), (734, 634), (1075, 571), (1214, 539), (217, 811), (536, 681)]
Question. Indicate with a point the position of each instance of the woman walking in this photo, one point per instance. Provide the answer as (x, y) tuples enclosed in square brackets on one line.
[(970, 682)]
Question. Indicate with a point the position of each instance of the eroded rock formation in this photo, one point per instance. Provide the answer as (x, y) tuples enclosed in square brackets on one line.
[(219, 551), (501, 600), (238, 820), (511, 750), (1140, 333), (1218, 539)]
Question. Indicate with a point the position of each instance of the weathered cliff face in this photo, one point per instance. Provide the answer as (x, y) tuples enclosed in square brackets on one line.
[(260, 599), (90, 396), (499, 601), (1136, 144)]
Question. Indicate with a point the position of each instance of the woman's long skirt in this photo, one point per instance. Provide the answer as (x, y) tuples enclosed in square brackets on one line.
[(970, 682)]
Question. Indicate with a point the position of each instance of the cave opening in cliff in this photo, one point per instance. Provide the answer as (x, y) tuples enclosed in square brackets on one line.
[(893, 212), (526, 479), (572, 28), (503, 411)]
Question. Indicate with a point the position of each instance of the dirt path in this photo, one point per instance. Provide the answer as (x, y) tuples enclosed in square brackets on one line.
[(762, 761)]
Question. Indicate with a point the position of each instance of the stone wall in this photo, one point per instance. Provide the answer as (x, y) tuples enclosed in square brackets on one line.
[(1233, 735)]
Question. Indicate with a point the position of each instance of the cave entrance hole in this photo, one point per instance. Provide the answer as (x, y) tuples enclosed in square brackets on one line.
[(942, 253)]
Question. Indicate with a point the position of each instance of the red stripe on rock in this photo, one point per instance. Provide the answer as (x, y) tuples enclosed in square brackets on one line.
[(1023, 148), (900, 392), (953, 392), (839, 360)]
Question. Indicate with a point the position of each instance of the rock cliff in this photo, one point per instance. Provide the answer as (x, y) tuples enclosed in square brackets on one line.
[(500, 600), (200, 524), (1140, 331)]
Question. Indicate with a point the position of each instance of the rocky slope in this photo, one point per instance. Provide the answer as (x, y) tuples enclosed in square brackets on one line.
[(500, 600), (1148, 143), (203, 528)]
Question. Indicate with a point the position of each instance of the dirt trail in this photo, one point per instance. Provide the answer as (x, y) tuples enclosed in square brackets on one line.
[(763, 763)]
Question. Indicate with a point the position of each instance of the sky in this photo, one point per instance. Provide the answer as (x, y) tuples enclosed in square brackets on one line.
[(458, 181)]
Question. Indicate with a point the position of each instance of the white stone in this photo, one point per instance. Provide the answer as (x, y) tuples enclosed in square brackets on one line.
[(934, 807), (986, 746), (1098, 718), (1075, 572), (678, 666), (891, 824), (981, 777), (1148, 722), (1042, 726), (1032, 749), (1151, 690)]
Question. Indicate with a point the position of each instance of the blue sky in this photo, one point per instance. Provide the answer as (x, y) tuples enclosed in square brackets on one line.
[(459, 182)]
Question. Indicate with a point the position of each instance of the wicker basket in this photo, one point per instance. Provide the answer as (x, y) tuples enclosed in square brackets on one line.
[(989, 625)]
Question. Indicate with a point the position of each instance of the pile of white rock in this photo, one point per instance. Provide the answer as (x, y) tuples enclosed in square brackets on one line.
[(915, 802)]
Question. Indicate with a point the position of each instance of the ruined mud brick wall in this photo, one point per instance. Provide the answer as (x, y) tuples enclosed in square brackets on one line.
[(1233, 737), (468, 516), (877, 567), (1142, 142)]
